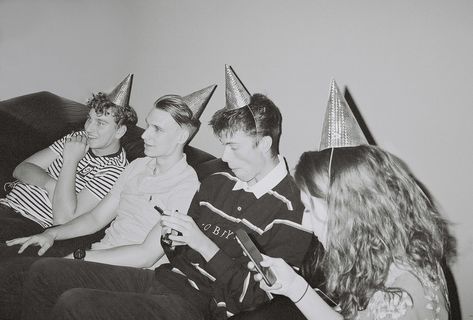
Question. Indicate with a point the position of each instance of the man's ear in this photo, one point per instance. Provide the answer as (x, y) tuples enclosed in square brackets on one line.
[(265, 143), (183, 135), (121, 131)]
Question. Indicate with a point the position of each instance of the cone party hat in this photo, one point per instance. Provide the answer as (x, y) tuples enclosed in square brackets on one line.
[(197, 101), (121, 94), (340, 128), (237, 96)]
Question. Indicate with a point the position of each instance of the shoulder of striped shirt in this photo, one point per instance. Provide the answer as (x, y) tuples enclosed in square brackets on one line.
[(117, 161)]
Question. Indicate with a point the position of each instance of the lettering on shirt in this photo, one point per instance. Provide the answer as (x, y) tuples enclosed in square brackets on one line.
[(217, 231)]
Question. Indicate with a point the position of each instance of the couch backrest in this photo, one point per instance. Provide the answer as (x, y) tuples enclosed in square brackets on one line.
[(32, 122)]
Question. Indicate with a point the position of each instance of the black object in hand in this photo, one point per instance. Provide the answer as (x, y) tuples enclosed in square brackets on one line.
[(165, 237), (255, 256)]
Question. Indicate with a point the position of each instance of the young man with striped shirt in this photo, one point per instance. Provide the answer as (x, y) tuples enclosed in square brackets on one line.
[(71, 176), (207, 276)]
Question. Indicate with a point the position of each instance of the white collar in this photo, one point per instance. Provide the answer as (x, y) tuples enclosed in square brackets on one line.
[(268, 182)]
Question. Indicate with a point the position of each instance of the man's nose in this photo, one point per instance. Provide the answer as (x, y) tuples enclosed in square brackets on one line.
[(89, 126), (226, 154), (145, 134)]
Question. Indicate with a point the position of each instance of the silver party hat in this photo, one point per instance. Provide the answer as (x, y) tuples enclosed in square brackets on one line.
[(121, 94), (197, 101), (237, 96), (340, 128)]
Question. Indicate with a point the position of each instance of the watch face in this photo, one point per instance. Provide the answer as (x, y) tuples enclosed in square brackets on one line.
[(79, 254)]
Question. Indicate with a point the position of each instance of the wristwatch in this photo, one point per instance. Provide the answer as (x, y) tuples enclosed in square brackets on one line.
[(79, 254)]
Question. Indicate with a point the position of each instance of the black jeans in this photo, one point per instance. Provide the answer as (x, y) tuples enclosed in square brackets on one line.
[(12, 275), (14, 225), (71, 289)]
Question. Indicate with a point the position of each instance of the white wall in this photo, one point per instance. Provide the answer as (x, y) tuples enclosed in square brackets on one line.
[(406, 63)]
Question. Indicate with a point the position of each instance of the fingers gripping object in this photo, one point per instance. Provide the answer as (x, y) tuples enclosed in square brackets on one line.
[(255, 256), (165, 237)]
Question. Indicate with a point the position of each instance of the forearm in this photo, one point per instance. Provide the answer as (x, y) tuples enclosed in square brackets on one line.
[(32, 174), (314, 307), (83, 225), (136, 256), (64, 202)]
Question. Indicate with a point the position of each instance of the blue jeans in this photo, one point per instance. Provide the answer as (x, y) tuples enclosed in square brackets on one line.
[(70, 289)]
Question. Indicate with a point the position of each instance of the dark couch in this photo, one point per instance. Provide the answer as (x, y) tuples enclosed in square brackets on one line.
[(32, 122)]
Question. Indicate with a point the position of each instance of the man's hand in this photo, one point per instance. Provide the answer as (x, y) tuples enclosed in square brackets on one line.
[(191, 234), (75, 148), (44, 240)]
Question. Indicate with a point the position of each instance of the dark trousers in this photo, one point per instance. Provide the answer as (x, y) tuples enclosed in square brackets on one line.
[(14, 225), (12, 274), (69, 289), (14, 267)]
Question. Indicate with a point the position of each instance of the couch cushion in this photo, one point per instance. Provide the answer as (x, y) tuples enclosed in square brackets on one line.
[(30, 123)]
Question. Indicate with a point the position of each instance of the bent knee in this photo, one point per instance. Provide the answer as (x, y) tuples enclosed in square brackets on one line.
[(46, 265), (75, 303), (73, 296)]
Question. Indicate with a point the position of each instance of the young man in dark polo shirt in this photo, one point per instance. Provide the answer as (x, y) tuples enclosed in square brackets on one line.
[(207, 275)]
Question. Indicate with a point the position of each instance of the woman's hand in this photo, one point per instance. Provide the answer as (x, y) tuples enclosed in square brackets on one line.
[(288, 282)]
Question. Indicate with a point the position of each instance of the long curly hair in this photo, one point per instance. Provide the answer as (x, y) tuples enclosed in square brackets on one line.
[(377, 215)]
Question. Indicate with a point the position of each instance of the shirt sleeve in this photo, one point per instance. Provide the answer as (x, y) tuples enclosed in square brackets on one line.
[(235, 285), (104, 180)]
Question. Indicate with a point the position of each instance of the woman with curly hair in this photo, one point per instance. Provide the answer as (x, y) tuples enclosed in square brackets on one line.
[(384, 238)]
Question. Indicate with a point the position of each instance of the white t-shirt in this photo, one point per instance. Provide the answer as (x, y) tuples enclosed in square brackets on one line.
[(138, 191)]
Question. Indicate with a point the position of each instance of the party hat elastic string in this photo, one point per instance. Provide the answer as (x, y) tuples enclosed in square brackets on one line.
[(330, 165)]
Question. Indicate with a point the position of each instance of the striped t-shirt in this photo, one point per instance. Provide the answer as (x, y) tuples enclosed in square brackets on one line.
[(96, 173)]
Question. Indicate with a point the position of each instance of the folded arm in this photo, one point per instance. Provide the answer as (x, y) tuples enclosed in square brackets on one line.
[(33, 170), (66, 203)]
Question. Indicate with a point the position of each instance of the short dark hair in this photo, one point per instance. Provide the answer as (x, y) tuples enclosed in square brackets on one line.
[(260, 118), (179, 110), (103, 106)]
